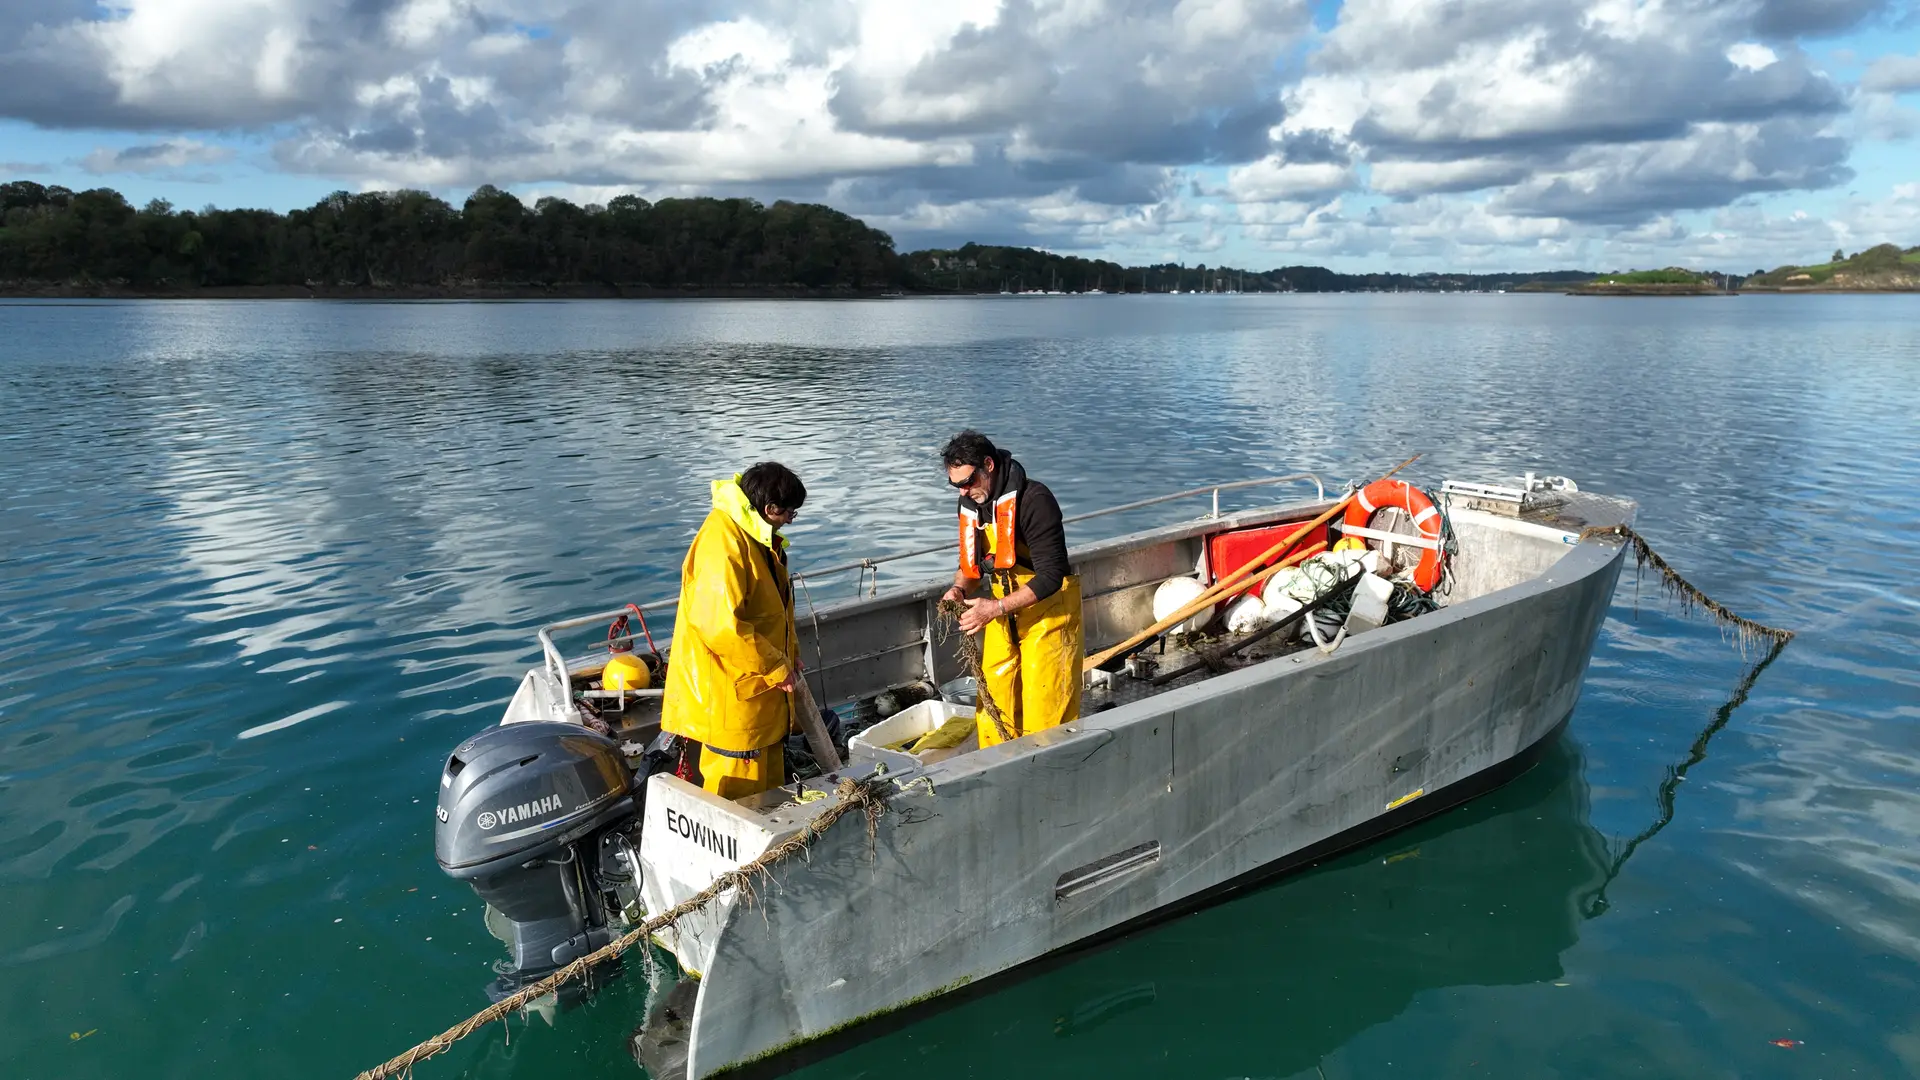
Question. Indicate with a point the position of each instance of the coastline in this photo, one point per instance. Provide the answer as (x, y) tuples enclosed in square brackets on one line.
[(1649, 290), (17, 290), (1858, 290), (1691, 291)]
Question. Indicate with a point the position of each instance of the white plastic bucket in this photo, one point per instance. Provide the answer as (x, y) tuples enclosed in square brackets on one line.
[(877, 742)]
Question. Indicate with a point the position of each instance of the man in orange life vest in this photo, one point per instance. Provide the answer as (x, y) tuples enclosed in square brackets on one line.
[(1012, 537)]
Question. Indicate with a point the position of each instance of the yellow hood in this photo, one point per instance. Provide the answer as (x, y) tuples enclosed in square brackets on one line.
[(729, 499)]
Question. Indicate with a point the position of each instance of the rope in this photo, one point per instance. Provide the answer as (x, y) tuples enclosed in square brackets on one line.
[(970, 654), (642, 616), (819, 654), (1690, 597), (864, 795)]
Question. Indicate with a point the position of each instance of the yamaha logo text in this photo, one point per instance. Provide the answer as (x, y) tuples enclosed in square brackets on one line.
[(510, 814)]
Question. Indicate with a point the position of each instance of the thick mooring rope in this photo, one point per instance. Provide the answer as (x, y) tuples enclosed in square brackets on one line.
[(1683, 590), (970, 655), (864, 795)]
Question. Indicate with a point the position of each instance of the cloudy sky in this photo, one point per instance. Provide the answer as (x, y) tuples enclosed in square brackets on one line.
[(1369, 134)]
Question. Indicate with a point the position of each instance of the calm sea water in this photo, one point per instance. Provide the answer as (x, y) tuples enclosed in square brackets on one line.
[(262, 565)]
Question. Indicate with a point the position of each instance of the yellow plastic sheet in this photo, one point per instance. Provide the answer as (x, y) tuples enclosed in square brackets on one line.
[(947, 735)]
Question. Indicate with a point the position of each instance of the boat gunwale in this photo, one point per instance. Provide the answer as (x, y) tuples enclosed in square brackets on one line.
[(1600, 553), (1173, 532), (1251, 517), (931, 586)]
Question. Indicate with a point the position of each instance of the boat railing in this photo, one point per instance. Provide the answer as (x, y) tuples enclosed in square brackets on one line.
[(557, 665)]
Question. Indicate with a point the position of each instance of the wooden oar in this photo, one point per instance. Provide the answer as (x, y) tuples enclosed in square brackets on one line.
[(1201, 603), (812, 726), (1226, 586), (1217, 657)]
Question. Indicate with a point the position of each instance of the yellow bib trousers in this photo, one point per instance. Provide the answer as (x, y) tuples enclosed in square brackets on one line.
[(1032, 668)]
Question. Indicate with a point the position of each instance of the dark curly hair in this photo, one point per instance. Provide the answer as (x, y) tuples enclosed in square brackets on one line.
[(770, 483), (968, 448)]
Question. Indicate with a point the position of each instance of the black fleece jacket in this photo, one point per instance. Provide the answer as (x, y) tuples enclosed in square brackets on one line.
[(1038, 532)]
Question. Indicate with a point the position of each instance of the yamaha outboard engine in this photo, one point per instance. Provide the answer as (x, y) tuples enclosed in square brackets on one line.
[(542, 820)]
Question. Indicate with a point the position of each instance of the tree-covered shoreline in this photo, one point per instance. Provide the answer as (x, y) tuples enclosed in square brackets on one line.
[(412, 245), (405, 244), (53, 239)]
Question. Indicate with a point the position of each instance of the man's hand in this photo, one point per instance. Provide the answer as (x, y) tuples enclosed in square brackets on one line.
[(785, 686), (979, 613), (954, 593)]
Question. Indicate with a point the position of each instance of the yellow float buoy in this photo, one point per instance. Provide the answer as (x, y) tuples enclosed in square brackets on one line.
[(625, 671)]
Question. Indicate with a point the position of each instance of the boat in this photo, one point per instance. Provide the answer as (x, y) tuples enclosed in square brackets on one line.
[(1308, 964), (1193, 771)]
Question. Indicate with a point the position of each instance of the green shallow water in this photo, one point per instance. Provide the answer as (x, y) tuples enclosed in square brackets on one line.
[(263, 564)]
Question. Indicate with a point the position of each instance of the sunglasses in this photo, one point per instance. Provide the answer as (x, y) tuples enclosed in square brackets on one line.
[(968, 480)]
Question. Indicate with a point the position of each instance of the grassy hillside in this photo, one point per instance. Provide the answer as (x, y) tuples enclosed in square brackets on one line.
[(1886, 267), (1672, 281), (1672, 275)]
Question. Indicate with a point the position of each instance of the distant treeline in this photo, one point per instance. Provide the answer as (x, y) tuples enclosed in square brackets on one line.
[(988, 268), (391, 239), (54, 239)]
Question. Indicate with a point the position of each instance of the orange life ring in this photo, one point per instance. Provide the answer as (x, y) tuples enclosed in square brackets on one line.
[(1382, 494)]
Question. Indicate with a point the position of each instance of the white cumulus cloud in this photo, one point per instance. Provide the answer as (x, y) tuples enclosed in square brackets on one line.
[(1534, 128), (159, 158)]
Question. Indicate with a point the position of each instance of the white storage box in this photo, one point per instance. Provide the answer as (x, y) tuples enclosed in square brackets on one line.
[(886, 740), (1370, 598)]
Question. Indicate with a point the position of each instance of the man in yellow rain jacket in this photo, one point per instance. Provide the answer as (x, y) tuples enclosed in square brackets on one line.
[(1011, 535), (734, 658)]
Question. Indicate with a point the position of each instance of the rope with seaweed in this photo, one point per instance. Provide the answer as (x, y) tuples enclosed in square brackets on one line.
[(970, 656), (864, 795), (1686, 592)]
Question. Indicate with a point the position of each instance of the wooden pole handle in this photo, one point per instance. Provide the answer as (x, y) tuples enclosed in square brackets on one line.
[(1233, 581), (1200, 603), (812, 726), (1294, 559)]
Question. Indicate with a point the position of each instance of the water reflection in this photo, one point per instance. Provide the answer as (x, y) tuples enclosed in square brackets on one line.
[(1596, 904)]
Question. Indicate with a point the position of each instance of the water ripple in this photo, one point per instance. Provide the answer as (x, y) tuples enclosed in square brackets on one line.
[(266, 563)]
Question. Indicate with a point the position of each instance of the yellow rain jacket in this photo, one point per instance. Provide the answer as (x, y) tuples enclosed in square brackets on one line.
[(733, 637)]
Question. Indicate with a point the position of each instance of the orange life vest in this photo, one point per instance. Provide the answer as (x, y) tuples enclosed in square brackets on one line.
[(1004, 509)]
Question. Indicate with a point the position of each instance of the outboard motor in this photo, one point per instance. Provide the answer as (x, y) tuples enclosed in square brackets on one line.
[(542, 820)]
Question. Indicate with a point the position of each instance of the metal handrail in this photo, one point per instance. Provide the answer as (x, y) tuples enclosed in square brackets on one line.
[(1319, 488), (557, 664)]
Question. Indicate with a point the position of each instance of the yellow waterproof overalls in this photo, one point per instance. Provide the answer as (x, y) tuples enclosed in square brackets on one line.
[(1032, 666)]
